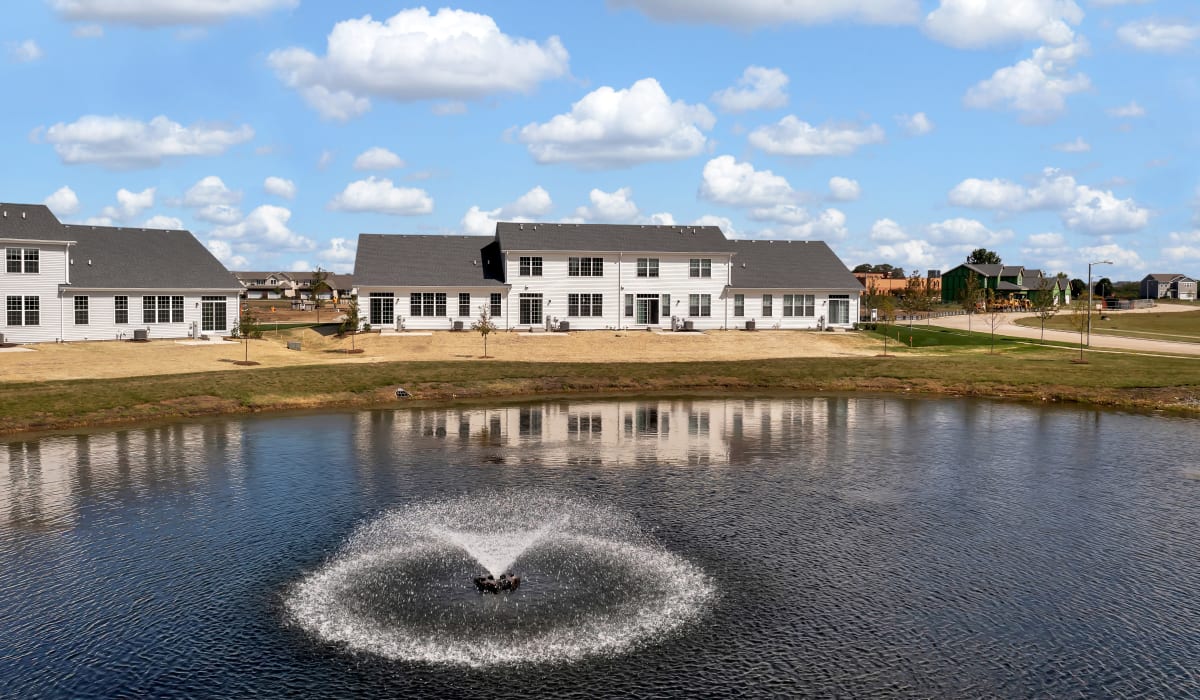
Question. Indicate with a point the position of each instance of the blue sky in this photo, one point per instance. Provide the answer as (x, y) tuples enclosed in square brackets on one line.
[(909, 132)]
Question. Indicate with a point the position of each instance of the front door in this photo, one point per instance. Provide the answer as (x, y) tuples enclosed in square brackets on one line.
[(647, 310)]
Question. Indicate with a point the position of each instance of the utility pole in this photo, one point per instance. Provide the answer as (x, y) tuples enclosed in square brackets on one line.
[(1089, 318)]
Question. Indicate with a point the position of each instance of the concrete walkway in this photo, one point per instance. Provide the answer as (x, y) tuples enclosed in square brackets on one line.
[(1099, 342)]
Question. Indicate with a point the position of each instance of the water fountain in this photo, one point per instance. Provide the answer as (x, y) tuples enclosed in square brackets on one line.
[(592, 583)]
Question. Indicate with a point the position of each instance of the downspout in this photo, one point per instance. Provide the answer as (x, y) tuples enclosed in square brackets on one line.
[(620, 289)]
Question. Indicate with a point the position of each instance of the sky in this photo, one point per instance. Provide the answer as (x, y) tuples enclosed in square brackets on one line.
[(906, 132)]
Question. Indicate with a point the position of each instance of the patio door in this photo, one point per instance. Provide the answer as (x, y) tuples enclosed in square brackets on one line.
[(839, 309), (647, 310), (212, 313), (531, 309)]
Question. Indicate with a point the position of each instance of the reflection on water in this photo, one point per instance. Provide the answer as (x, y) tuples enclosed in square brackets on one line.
[(862, 546)]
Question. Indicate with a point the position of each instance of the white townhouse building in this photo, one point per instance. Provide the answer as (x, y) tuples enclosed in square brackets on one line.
[(64, 282), (601, 276)]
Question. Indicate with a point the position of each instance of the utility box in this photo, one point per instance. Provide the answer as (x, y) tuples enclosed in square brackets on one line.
[(749, 325), (141, 334), (564, 326), (293, 345), (458, 325), (689, 326)]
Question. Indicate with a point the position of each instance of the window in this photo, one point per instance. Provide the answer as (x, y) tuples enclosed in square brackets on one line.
[(629, 305), (17, 260), (148, 309), (81, 311), (739, 304), (23, 311), (585, 305), (700, 305), (382, 309), (585, 267), (464, 304), (496, 300), (162, 309), (665, 305), (531, 266), (647, 267), (33, 307), (176, 309), (799, 305), (121, 304), (767, 303), (700, 267), (427, 304)]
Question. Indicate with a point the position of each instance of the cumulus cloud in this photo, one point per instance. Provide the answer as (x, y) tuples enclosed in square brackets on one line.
[(966, 232), (1186, 246), (758, 88), (534, 203), (609, 207), (129, 204), (24, 52), (1081, 207), (1122, 258), (1076, 146), (119, 143), (1129, 111), (888, 231), (972, 24), (911, 254), (1036, 87), (378, 158), (210, 190), (164, 222), (415, 55), (722, 222), (1158, 36), (264, 227), (793, 137), (796, 222), (726, 181), (280, 187), (616, 128), (338, 256), (380, 196), (64, 202), (158, 13), (916, 124), (222, 251), (843, 189), (770, 13)]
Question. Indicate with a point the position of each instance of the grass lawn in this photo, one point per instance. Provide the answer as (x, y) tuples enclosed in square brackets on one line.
[(1179, 326)]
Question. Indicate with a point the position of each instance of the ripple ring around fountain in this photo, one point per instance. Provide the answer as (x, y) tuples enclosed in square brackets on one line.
[(315, 605)]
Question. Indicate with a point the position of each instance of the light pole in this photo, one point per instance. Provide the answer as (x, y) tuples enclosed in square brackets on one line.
[(1089, 320)]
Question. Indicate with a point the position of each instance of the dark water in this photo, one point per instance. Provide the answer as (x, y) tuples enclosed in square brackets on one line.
[(860, 547)]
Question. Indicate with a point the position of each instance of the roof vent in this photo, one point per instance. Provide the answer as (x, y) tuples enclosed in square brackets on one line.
[(6, 213), (522, 226), (22, 215), (474, 262), (89, 261)]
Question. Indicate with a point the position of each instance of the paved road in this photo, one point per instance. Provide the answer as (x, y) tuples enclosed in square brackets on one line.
[(1099, 342)]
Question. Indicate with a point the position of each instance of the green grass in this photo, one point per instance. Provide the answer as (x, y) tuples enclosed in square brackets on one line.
[(1178, 326)]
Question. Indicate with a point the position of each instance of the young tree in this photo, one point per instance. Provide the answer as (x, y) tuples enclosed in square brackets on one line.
[(1079, 322), (1045, 303), (351, 321), (983, 256), (969, 296), (318, 285), (484, 325), (995, 318), (916, 297), (872, 297), (1104, 288), (887, 314)]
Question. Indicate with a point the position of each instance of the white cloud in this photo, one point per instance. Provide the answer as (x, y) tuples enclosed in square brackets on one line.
[(793, 137), (266, 226), (129, 204), (726, 181), (339, 255), (966, 232), (157, 13), (609, 207), (445, 109), (722, 222), (164, 222), (1076, 146), (911, 254), (1187, 246), (844, 189), (222, 214), (117, 142), (915, 125), (280, 187), (300, 266), (379, 195), (1158, 36), (615, 128), (63, 202), (325, 159), (24, 51), (452, 55), (797, 223), (758, 88), (1036, 87), (534, 203), (1081, 207), (1129, 111), (1122, 258), (378, 158), (888, 231), (770, 13), (970, 24), (1114, 3), (1100, 212), (222, 251), (210, 190)]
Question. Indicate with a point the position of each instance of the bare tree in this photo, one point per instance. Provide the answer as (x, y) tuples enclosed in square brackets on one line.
[(968, 297), (484, 325), (994, 318), (351, 321), (887, 314), (319, 284), (1045, 303), (1079, 322)]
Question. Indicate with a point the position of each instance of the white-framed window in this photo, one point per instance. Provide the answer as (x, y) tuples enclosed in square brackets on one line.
[(464, 304), (213, 313), (162, 309), (767, 305), (629, 305), (427, 304), (121, 309), (81, 311), (647, 267), (579, 305), (530, 266), (700, 305), (23, 311), (496, 300), (22, 260), (382, 308), (799, 305), (585, 267), (700, 267), (739, 304)]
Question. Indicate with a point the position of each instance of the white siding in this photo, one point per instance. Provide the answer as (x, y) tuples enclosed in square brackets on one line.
[(102, 323), (403, 305), (52, 267), (754, 309)]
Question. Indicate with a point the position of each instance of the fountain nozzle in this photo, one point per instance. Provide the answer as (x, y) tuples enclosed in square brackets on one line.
[(490, 584)]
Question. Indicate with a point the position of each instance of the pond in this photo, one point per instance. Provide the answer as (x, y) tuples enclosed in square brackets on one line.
[(850, 545)]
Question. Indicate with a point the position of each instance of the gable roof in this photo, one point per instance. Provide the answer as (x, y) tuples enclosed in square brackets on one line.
[(387, 260), (985, 270), (106, 257), (1166, 278), (605, 238), (766, 264)]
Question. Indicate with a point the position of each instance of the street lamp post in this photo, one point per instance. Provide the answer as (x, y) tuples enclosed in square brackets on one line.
[(1089, 318)]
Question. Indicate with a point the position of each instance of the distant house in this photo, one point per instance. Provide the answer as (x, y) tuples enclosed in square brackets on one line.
[(291, 285), (67, 282), (596, 276), (1004, 281), (1168, 286), (875, 282)]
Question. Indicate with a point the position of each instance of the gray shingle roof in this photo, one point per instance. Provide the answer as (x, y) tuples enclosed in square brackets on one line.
[(788, 265), (106, 257), (1160, 277), (611, 238), (427, 261)]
